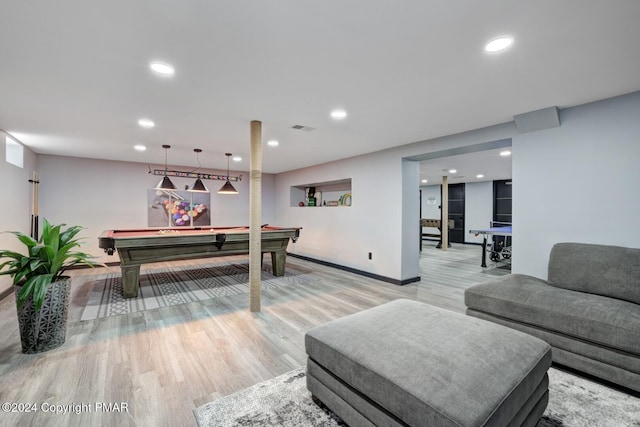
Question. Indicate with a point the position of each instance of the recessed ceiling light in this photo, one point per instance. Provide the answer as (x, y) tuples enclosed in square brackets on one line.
[(146, 123), (273, 143), (237, 159), (139, 147), (452, 171), (338, 114), (499, 44), (162, 68), (424, 181), (505, 153), (479, 176)]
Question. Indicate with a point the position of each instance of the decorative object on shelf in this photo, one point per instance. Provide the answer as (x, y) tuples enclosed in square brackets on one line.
[(227, 188), (319, 194), (345, 199), (198, 186), (311, 199), (165, 183), (42, 290)]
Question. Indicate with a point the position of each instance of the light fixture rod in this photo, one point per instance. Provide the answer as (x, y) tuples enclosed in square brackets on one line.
[(191, 174), (166, 152)]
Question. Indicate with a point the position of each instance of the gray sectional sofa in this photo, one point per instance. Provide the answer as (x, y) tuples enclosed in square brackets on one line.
[(588, 309)]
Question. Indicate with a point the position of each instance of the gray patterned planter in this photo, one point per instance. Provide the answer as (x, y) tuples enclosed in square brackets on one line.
[(46, 329)]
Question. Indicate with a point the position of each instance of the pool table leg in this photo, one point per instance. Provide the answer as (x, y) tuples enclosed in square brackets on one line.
[(278, 260), (130, 280)]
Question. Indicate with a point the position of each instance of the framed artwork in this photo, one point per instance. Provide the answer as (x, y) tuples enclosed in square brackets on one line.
[(173, 208)]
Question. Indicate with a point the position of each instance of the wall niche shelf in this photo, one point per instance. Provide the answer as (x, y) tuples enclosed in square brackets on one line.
[(327, 194)]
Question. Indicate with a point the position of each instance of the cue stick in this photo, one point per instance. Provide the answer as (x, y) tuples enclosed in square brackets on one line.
[(34, 204), (255, 216), (36, 220)]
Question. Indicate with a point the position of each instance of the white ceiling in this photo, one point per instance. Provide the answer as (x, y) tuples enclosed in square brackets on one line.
[(467, 166), (74, 75)]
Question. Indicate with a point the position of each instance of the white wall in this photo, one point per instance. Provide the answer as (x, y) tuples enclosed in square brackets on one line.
[(579, 182), (478, 208), (431, 211), (345, 235), (381, 210), (101, 195), (411, 239), (16, 198)]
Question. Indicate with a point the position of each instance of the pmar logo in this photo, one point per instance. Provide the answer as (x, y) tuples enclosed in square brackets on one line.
[(112, 407)]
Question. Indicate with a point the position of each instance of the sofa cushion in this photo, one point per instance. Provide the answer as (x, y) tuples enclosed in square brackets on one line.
[(611, 271), (607, 321), (430, 366)]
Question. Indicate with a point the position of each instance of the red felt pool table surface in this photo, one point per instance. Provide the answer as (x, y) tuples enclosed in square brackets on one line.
[(163, 231), (145, 245)]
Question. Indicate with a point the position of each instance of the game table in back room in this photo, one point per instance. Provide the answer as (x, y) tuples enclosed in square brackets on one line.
[(146, 245)]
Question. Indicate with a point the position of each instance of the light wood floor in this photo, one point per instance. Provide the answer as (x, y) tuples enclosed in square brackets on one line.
[(164, 363)]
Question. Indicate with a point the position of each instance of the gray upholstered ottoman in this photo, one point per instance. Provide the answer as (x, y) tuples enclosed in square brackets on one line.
[(409, 363)]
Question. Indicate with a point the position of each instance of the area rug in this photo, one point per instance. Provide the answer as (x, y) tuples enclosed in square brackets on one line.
[(163, 287), (285, 401)]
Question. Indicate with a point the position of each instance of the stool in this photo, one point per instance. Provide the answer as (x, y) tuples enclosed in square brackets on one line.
[(409, 363)]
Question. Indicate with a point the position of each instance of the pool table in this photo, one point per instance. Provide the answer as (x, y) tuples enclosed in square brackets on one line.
[(145, 245)]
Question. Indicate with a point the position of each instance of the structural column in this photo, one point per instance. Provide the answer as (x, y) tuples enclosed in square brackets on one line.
[(444, 213), (255, 217)]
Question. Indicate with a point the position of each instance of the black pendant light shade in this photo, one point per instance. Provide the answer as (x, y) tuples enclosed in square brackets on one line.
[(165, 183), (198, 186), (227, 188)]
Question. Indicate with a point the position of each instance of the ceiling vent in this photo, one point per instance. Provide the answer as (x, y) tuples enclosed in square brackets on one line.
[(304, 128)]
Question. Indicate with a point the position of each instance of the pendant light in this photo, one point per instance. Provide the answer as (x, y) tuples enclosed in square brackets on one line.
[(165, 183), (198, 186), (227, 188)]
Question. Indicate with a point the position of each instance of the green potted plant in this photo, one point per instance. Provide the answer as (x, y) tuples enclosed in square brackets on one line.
[(41, 288)]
